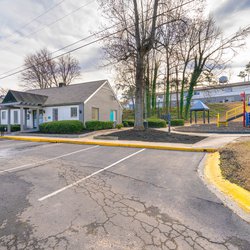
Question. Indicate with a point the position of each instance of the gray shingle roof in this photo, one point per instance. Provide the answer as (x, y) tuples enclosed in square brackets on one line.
[(75, 93), (199, 106), (24, 98)]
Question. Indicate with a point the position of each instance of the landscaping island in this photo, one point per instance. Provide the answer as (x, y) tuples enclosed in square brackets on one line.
[(235, 162), (153, 135)]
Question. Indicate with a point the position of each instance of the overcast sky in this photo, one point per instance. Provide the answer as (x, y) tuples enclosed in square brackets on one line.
[(77, 19)]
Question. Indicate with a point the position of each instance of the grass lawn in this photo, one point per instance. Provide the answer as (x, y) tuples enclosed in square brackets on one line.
[(235, 162), (215, 108)]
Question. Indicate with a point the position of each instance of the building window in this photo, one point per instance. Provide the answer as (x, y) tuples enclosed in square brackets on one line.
[(95, 114), (196, 93), (55, 114), (3, 115), (15, 117), (73, 112)]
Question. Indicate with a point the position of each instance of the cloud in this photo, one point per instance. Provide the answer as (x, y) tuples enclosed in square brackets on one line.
[(230, 7), (14, 46)]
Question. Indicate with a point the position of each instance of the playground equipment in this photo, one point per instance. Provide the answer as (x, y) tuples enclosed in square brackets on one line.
[(248, 119), (235, 113)]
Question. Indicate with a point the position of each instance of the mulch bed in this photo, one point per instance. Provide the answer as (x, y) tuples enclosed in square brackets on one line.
[(233, 127), (153, 135)]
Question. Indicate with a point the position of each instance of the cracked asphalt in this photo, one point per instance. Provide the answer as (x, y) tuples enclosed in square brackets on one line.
[(150, 199)]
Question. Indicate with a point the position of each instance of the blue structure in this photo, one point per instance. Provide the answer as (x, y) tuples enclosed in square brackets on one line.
[(199, 106), (247, 119)]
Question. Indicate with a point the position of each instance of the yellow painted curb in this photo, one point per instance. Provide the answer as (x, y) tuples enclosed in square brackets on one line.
[(213, 174), (110, 144)]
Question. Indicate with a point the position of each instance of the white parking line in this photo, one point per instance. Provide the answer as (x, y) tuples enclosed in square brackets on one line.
[(15, 144), (89, 176), (10, 170)]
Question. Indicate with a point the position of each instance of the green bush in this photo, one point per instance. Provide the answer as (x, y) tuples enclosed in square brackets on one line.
[(156, 123), (128, 123), (125, 124), (14, 128), (99, 125), (152, 123), (61, 127), (119, 126), (177, 122)]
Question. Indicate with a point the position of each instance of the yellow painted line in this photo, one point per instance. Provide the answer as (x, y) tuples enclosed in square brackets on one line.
[(110, 144), (213, 175)]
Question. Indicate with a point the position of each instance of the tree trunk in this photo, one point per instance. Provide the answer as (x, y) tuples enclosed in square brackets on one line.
[(193, 82), (139, 93), (154, 87)]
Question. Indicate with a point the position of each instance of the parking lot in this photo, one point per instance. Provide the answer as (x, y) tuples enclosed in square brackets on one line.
[(65, 196)]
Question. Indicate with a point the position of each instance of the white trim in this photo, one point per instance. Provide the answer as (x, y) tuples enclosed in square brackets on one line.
[(114, 94), (100, 89), (94, 92)]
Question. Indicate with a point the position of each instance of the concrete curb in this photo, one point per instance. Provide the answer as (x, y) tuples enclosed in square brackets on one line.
[(110, 144), (235, 193)]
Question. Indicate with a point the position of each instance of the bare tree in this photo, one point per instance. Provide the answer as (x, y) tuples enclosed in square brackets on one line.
[(42, 71), (210, 50), (133, 37), (3, 91)]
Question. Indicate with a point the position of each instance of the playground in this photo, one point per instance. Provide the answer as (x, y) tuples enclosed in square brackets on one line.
[(235, 120)]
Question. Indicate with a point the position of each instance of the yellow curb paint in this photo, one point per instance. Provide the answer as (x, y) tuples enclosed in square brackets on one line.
[(110, 144), (214, 176)]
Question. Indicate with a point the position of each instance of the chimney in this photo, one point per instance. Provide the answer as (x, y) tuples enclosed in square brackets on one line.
[(62, 84)]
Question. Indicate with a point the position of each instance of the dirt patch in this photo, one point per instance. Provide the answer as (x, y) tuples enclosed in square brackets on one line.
[(153, 135), (235, 162)]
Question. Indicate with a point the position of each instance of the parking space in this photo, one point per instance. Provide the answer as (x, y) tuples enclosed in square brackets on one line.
[(63, 196)]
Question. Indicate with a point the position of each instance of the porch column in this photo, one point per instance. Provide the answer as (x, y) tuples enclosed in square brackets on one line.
[(37, 118), (21, 120), (9, 121)]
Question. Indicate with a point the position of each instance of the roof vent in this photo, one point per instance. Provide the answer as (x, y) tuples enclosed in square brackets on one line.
[(62, 84)]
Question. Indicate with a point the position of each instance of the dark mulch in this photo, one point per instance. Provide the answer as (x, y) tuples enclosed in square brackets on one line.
[(233, 127), (153, 135)]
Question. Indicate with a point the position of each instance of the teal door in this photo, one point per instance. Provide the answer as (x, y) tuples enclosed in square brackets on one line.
[(112, 115)]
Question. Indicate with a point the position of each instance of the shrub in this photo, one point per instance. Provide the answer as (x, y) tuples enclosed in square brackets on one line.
[(177, 122), (99, 125), (152, 123), (119, 126), (128, 123), (14, 128), (61, 127), (156, 123), (125, 124)]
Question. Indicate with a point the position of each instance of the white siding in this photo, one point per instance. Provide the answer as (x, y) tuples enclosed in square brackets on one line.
[(64, 113), (5, 121)]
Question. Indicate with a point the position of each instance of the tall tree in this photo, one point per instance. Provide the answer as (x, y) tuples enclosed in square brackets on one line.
[(42, 71), (133, 37), (210, 50)]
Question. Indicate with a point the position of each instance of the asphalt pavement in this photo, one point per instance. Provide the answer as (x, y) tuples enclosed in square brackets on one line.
[(64, 196)]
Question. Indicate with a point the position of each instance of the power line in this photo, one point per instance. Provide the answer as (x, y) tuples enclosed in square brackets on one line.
[(34, 19), (52, 23), (90, 43)]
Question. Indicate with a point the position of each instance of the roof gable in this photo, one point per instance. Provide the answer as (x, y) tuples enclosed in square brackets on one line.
[(9, 98), (24, 98)]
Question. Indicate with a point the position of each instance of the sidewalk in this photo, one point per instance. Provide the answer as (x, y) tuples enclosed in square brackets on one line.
[(211, 144)]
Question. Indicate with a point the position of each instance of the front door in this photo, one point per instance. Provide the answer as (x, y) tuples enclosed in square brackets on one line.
[(55, 114), (113, 115), (34, 114)]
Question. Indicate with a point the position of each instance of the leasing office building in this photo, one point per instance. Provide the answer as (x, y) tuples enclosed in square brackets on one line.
[(84, 102)]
